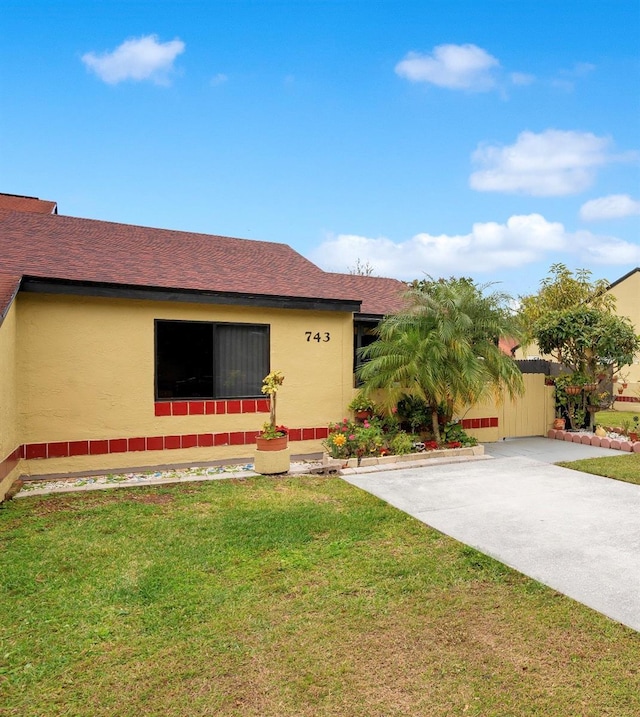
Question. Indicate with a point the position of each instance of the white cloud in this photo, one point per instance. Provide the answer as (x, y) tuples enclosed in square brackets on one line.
[(612, 207), (458, 67), (553, 163), (218, 79), (488, 248), (567, 78), (522, 78), (137, 59)]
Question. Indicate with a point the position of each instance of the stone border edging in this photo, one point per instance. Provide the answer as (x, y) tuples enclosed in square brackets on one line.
[(588, 439), (373, 463)]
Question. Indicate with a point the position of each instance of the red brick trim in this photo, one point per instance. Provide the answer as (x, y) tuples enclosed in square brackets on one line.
[(628, 399), (10, 462), (65, 449), (209, 408), (480, 422)]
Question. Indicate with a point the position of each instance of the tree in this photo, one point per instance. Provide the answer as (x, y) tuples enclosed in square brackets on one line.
[(563, 289), (572, 320), (361, 268), (593, 345), (443, 348), (588, 341)]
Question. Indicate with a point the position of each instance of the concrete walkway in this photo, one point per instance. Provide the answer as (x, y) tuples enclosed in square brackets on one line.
[(577, 533)]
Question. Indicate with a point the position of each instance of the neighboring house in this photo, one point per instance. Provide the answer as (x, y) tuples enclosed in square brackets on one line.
[(626, 290), (125, 346)]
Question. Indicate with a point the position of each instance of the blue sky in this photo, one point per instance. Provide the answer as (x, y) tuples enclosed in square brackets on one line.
[(487, 139)]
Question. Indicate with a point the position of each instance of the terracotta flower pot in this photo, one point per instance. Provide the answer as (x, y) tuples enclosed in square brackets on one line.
[(573, 390), (362, 415), (559, 424), (272, 444)]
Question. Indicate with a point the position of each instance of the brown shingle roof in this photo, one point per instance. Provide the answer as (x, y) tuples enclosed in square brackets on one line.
[(84, 250), (18, 203), (379, 295), (9, 284)]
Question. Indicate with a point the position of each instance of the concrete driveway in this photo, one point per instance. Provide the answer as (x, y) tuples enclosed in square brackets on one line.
[(577, 533)]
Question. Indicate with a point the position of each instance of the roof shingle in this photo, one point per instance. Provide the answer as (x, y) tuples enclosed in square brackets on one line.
[(18, 203), (85, 250), (9, 285)]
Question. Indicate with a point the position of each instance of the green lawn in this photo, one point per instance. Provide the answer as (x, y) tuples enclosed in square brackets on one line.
[(283, 597), (622, 467), (615, 418)]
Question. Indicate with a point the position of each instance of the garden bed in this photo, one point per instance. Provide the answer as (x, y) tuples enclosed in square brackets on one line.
[(368, 461)]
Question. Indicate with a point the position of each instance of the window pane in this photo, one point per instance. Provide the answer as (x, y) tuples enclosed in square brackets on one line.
[(241, 360), (184, 359)]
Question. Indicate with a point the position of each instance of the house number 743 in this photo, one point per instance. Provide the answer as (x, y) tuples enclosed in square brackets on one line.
[(324, 336)]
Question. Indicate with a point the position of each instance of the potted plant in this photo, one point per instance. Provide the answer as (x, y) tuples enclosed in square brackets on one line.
[(272, 438), (362, 406), (272, 455), (633, 431), (559, 423)]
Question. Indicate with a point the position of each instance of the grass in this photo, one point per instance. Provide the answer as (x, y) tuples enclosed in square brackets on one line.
[(615, 418), (282, 597), (625, 467)]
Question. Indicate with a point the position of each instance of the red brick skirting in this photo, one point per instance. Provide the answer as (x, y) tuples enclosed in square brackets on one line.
[(628, 399), (10, 462), (209, 408), (98, 447), (65, 449), (479, 423)]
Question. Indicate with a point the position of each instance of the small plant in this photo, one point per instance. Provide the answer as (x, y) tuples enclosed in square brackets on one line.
[(269, 432), (414, 414), (271, 383), (454, 433), (401, 444), (349, 439), (625, 424), (361, 402)]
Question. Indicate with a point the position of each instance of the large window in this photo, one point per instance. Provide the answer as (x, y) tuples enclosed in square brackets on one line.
[(197, 359)]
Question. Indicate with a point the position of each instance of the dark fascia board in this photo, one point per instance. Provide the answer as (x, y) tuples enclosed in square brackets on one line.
[(150, 293), (369, 318), (623, 278)]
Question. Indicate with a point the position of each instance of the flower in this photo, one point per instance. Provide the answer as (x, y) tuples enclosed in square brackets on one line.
[(270, 431), (338, 439)]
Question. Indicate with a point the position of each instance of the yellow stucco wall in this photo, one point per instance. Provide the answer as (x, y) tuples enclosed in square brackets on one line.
[(86, 371), (9, 434), (531, 414), (627, 295)]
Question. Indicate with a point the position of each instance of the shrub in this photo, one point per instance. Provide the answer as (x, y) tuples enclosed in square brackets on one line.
[(454, 433), (401, 443), (349, 439)]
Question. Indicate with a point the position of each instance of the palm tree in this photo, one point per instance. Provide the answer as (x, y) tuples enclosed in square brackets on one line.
[(443, 348)]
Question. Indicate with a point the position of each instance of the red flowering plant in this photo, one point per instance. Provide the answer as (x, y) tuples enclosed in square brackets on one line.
[(349, 439), (269, 431), (341, 441)]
